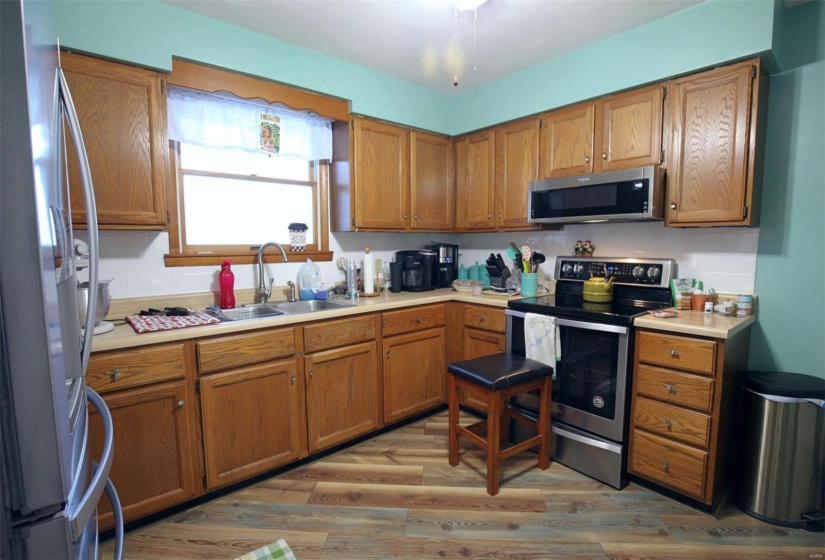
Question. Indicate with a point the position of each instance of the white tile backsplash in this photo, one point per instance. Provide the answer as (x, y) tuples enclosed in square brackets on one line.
[(723, 258)]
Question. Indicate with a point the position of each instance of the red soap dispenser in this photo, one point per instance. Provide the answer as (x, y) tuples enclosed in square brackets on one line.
[(226, 279)]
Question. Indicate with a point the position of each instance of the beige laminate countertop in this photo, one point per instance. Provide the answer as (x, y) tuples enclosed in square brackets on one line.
[(125, 337), (713, 325)]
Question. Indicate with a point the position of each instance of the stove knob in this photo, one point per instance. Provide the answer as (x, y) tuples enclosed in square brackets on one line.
[(638, 272), (653, 273), (577, 268), (566, 268)]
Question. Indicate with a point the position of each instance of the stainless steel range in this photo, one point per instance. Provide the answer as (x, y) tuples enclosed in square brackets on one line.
[(591, 389)]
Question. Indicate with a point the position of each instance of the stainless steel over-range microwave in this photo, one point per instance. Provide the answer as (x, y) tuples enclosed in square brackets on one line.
[(627, 195)]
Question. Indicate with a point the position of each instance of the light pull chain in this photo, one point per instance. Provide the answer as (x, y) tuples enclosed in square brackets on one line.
[(475, 68), (455, 50)]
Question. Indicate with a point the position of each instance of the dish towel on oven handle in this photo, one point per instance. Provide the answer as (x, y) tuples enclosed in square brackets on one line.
[(541, 339)]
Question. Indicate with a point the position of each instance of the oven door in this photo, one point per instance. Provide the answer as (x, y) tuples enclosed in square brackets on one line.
[(590, 387)]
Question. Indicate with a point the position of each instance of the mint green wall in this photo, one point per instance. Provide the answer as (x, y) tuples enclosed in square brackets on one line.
[(149, 33), (790, 332), (705, 35)]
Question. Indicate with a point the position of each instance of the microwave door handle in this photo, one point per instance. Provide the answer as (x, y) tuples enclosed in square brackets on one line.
[(91, 217)]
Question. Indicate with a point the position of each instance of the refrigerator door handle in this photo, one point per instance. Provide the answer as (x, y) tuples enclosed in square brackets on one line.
[(87, 506), (91, 216), (117, 512)]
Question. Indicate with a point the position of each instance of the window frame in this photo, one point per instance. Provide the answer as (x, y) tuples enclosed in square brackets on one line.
[(210, 80)]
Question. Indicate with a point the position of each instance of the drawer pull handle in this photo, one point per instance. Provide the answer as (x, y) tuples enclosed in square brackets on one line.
[(667, 423), (181, 403), (670, 388), (115, 374), (665, 465), (418, 320), (293, 379), (482, 319), (674, 353)]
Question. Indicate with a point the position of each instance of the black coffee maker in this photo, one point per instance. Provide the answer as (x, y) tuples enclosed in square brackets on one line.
[(445, 269), (416, 269)]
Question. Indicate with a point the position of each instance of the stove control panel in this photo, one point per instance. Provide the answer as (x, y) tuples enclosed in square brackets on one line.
[(655, 273)]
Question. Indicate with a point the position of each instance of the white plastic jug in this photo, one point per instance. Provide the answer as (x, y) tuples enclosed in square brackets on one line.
[(309, 280)]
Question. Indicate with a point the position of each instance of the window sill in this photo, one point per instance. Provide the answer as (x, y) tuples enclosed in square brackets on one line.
[(209, 259)]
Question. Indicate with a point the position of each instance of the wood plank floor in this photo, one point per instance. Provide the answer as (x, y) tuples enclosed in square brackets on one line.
[(396, 496)]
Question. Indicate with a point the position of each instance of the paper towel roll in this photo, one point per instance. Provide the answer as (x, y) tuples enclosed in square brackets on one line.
[(368, 272)]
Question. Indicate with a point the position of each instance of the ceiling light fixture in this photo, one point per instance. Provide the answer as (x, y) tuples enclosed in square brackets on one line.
[(465, 5)]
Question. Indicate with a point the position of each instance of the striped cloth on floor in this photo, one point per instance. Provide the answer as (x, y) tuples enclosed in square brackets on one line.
[(277, 550)]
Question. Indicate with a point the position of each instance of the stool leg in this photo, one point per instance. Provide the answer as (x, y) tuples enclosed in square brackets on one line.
[(544, 423), (505, 423), (493, 441), (452, 396)]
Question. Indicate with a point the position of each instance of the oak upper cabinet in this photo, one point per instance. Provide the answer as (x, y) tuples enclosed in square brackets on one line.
[(414, 360), (710, 170), (516, 164), (431, 182), (616, 132), (153, 415), (252, 404), (475, 181), (122, 113), (343, 393)]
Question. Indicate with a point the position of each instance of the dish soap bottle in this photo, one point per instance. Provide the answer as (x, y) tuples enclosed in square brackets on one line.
[(226, 279), (309, 280)]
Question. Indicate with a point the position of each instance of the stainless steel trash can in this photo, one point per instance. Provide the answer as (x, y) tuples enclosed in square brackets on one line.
[(783, 453)]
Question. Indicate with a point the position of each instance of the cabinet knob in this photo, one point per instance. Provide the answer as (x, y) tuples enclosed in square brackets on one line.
[(673, 206), (482, 319), (586, 159), (293, 379), (388, 353), (673, 353), (418, 320), (311, 372), (604, 155), (115, 374), (665, 465), (181, 403), (670, 388), (667, 423), (499, 215), (489, 216), (405, 215)]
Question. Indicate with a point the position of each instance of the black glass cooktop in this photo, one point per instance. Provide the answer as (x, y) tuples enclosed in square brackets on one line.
[(618, 312)]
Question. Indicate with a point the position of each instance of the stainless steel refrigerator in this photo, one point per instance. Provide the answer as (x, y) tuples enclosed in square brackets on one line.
[(50, 483)]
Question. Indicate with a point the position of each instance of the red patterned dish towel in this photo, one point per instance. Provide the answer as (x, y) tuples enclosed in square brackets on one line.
[(155, 323)]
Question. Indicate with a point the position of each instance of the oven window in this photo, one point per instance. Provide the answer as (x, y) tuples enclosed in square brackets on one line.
[(586, 375)]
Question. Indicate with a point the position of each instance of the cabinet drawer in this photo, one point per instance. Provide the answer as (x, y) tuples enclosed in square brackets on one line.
[(485, 318), (672, 421), (669, 463), (244, 349), (675, 387), (415, 319), (131, 368), (678, 351), (334, 334)]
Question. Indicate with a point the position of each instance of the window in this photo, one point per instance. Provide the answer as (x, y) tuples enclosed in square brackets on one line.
[(244, 168)]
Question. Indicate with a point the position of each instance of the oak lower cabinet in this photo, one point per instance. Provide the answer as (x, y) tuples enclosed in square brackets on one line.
[(685, 410), (156, 454), (414, 360), (483, 334), (252, 404), (713, 163), (122, 112)]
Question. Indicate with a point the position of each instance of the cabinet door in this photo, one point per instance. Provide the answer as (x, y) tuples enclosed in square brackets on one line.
[(122, 112), (154, 463), (475, 193), (517, 160), (381, 175), (253, 421), (431, 182), (343, 398), (478, 343), (708, 161), (414, 373), (629, 129), (566, 143)]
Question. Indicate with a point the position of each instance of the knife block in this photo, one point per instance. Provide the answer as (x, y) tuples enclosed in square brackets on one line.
[(501, 279)]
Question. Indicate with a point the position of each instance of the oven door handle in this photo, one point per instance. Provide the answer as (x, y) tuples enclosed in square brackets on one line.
[(613, 448), (576, 324)]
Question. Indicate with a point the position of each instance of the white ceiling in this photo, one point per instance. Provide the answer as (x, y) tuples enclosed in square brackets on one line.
[(415, 39)]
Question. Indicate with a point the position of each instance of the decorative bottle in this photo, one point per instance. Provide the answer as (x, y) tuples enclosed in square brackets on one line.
[(226, 279), (352, 279)]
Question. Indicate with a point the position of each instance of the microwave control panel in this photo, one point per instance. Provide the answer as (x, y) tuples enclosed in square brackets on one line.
[(636, 272)]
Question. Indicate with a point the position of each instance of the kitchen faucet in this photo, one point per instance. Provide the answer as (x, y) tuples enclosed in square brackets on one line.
[(263, 291)]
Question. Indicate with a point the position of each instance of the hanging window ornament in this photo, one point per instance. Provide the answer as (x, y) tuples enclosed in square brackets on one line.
[(270, 134)]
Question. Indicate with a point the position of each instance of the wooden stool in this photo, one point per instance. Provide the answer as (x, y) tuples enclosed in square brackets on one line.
[(496, 378)]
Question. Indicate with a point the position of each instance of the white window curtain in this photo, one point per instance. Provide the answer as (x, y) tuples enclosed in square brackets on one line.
[(218, 121)]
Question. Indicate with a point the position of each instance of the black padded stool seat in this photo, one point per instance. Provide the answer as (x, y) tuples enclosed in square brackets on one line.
[(498, 371), (495, 379)]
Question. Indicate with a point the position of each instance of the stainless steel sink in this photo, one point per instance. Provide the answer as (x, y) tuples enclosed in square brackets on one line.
[(252, 311), (309, 306)]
